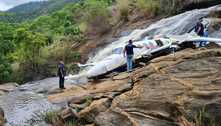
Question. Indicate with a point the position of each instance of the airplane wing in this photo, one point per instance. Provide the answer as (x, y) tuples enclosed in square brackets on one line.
[(86, 65), (179, 39), (207, 39)]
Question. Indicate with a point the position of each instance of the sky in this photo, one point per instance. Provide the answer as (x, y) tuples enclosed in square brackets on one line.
[(7, 4)]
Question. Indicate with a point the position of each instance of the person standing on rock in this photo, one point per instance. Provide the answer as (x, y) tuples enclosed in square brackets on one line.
[(61, 74), (199, 29), (128, 53)]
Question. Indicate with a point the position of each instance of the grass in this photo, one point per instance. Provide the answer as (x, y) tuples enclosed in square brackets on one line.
[(124, 7), (71, 123), (88, 100), (204, 119), (51, 117), (148, 7)]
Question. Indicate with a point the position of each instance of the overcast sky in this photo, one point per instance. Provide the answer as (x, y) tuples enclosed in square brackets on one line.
[(7, 4)]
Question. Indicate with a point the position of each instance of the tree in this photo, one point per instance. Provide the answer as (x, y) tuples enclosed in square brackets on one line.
[(6, 47), (29, 49)]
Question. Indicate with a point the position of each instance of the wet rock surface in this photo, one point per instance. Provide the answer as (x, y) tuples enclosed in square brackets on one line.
[(169, 91)]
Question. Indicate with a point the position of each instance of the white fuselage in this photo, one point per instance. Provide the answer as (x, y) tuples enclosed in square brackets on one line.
[(117, 59)]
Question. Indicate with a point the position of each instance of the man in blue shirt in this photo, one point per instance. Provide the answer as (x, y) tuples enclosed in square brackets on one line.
[(129, 52)]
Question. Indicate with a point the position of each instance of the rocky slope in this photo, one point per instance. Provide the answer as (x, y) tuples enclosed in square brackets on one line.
[(169, 91), (8, 87)]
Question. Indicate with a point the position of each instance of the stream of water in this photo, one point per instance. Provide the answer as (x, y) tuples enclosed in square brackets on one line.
[(24, 106)]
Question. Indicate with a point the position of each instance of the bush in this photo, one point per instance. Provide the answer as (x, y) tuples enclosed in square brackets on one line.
[(88, 100), (204, 119), (149, 7), (96, 11), (124, 8), (5, 74), (51, 117), (70, 123)]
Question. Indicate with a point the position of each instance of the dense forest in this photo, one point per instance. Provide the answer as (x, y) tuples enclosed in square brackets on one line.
[(33, 10), (31, 49)]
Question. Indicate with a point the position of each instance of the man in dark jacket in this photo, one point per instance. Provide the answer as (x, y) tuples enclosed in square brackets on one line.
[(61, 74)]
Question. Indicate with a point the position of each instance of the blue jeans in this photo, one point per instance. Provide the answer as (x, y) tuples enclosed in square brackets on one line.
[(204, 43), (206, 34), (129, 63)]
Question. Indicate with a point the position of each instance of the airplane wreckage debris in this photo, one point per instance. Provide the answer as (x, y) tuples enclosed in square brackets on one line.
[(116, 62)]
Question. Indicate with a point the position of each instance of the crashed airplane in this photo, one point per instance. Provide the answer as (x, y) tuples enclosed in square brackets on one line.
[(151, 48), (117, 59)]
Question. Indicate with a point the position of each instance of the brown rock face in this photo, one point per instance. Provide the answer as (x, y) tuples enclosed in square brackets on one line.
[(96, 107), (2, 117), (169, 91)]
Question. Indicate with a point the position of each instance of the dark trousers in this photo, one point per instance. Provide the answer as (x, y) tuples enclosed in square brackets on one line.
[(61, 82)]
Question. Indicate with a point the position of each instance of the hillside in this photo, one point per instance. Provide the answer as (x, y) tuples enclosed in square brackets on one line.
[(180, 89), (31, 50), (33, 10)]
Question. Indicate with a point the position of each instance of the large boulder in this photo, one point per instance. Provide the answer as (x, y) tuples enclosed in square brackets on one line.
[(89, 113), (8, 87), (170, 91)]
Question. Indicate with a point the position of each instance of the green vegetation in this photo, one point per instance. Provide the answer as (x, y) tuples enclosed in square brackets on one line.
[(88, 100), (71, 123), (31, 49), (149, 7), (7, 46), (204, 119), (51, 117), (123, 7), (32, 10)]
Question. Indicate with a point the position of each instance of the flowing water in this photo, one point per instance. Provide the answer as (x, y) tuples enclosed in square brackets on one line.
[(22, 104)]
